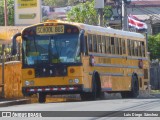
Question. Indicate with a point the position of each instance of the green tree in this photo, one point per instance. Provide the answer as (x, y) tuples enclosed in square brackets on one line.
[(84, 13), (1, 13), (154, 46), (10, 8)]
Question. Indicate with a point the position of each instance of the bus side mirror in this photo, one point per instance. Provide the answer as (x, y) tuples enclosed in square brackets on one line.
[(14, 44), (82, 42)]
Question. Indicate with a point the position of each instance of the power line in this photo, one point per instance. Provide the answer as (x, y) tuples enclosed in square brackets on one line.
[(151, 15), (147, 4), (149, 11)]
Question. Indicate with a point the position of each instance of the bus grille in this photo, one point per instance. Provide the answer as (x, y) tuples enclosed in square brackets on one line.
[(51, 71)]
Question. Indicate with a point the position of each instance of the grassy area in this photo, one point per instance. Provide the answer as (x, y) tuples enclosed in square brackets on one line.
[(155, 91)]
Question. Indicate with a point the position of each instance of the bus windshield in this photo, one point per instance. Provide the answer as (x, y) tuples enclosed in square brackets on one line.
[(51, 49)]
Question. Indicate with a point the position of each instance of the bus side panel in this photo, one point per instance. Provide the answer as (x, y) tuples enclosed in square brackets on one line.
[(87, 80)]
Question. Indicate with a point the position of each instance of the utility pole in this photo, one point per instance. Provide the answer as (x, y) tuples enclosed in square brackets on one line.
[(5, 13), (124, 16), (100, 11), (99, 4)]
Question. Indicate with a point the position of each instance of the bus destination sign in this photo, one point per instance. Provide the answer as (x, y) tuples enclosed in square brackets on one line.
[(43, 30)]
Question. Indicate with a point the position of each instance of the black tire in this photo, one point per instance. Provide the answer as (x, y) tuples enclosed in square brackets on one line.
[(85, 96), (91, 95), (125, 94), (102, 96), (135, 87), (41, 98), (94, 90)]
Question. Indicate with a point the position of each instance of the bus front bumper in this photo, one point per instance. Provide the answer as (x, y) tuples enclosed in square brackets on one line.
[(70, 89)]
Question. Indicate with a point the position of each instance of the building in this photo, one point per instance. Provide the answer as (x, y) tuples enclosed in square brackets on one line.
[(149, 11), (54, 12), (146, 10)]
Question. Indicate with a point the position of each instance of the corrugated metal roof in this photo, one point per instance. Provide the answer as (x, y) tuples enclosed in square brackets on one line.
[(154, 17), (146, 3)]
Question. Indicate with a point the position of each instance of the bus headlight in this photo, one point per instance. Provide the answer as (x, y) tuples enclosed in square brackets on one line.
[(76, 80), (27, 83), (70, 81)]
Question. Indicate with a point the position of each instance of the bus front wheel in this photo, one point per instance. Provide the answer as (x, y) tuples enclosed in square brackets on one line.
[(41, 98), (134, 89), (91, 95)]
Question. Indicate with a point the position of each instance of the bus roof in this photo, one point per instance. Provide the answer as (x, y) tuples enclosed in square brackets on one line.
[(110, 31)]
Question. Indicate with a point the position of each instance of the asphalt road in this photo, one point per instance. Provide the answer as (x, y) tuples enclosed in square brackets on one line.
[(110, 109)]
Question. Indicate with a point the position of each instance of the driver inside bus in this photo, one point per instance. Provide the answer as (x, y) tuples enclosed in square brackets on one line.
[(66, 49), (70, 50)]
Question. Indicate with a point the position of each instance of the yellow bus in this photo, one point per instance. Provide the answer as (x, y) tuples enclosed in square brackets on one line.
[(61, 57)]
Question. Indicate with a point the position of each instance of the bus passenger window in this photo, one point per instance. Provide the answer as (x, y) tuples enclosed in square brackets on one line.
[(123, 47), (135, 48), (90, 42), (99, 43), (120, 46), (116, 46), (103, 44), (132, 48), (139, 49), (129, 47), (112, 45), (143, 49), (108, 45), (94, 43)]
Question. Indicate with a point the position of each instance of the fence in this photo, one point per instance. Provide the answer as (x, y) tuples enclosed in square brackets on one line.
[(10, 82), (155, 75)]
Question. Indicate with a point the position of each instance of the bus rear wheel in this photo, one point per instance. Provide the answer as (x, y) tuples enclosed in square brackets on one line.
[(85, 96), (135, 87), (41, 98)]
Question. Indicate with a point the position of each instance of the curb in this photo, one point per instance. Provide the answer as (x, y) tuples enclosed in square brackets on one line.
[(14, 102), (156, 95)]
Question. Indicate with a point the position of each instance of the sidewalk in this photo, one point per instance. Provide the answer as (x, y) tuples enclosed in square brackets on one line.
[(10, 102)]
